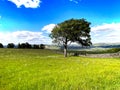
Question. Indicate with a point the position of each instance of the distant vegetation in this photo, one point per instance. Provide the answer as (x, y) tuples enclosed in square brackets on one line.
[(1, 45), (10, 45), (23, 46), (73, 50), (111, 50)]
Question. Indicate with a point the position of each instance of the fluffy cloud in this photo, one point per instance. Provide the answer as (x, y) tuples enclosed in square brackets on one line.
[(24, 36), (27, 36), (48, 28), (0, 17), (107, 33), (26, 3), (106, 27)]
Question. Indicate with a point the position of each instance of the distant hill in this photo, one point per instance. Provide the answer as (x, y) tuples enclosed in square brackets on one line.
[(106, 45), (96, 45)]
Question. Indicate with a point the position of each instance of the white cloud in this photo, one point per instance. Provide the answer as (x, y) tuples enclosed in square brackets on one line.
[(107, 27), (107, 33), (24, 36), (0, 17), (26, 3), (48, 28), (75, 1)]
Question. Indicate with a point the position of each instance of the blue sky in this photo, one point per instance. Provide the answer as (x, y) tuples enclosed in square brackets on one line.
[(32, 20)]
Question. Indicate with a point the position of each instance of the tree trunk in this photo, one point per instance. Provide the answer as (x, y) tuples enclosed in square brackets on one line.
[(65, 51), (65, 48)]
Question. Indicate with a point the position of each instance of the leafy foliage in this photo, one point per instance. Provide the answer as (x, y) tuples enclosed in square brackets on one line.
[(73, 30), (29, 46), (1, 45), (24, 45), (36, 46), (10, 45), (42, 46)]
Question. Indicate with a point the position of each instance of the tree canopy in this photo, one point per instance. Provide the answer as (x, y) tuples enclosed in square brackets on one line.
[(1, 45), (72, 30), (10, 45)]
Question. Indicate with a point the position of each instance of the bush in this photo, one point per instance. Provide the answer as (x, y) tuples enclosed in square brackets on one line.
[(76, 54), (10, 45), (29, 46), (36, 46), (42, 46), (1, 45), (24, 45)]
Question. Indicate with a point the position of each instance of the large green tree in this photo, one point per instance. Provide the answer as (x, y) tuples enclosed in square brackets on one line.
[(72, 30)]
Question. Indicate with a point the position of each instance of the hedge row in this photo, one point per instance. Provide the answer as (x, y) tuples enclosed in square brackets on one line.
[(23, 46)]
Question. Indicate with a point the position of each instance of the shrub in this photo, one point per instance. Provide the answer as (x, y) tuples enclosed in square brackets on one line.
[(1, 45), (42, 46), (24, 45), (36, 46), (76, 53), (10, 45)]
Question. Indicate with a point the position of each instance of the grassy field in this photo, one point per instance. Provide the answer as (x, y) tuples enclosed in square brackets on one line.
[(48, 70)]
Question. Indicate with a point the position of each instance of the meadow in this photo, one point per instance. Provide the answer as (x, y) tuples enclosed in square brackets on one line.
[(35, 69)]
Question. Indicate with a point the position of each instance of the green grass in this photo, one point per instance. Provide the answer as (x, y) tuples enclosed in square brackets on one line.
[(30, 69)]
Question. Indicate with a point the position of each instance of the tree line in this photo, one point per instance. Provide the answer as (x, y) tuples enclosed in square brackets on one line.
[(23, 46)]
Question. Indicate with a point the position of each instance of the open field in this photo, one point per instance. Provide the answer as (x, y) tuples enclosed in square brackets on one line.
[(30, 69)]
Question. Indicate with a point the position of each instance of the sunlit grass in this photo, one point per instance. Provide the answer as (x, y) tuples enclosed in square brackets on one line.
[(46, 70)]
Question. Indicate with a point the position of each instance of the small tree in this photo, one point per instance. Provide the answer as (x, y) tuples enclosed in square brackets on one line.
[(10, 45), (1, 45), (24, 45), (19, 45), (73, 30), (36, 46), (28, 45), (42, 46)]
